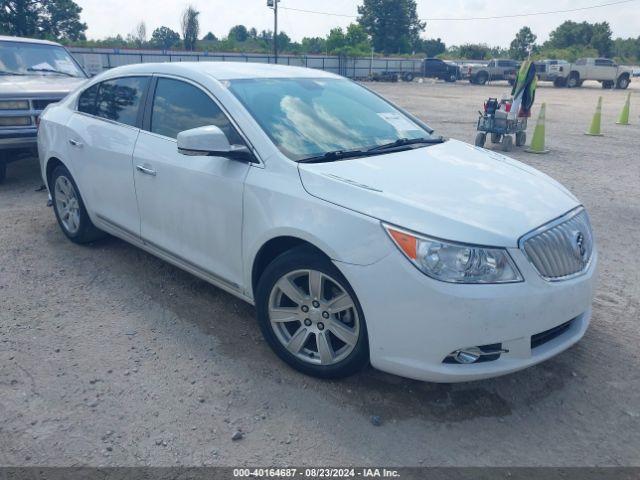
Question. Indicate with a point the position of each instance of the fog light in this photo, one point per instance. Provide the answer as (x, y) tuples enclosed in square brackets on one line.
[(470, 355)]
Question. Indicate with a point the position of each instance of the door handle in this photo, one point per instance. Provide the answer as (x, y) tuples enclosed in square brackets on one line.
[(75, 143), (146, 170)]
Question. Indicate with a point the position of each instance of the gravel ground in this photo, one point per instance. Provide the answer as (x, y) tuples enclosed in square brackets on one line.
[(109, 356)]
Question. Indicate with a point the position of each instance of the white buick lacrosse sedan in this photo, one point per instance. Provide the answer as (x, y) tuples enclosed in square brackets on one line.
[(359, 234)]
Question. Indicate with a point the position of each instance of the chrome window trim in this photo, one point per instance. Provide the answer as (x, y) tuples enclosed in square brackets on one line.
[(548, 226)]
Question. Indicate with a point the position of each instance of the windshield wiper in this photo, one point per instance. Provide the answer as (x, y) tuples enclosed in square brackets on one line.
[(7, 72), (404, 142), (400, 144), (334, 155), (50, 70)]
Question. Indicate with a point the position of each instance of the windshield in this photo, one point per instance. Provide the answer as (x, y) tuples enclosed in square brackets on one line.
[(35, 59), (308, 117)]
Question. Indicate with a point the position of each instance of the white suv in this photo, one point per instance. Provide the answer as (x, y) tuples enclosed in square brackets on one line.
[(358, 233)]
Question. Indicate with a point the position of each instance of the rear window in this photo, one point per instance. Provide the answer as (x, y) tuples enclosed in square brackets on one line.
[(119, 99)]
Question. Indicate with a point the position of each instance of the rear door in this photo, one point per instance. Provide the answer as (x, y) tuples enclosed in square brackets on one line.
[(190, 206), (604, 69), (102, 135)]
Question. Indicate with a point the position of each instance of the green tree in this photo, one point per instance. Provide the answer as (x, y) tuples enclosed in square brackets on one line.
[(284, 41), (313, 45), (523, 44), (190, 27), (58, 19), (591, 35), (210, 37), (335, 40), (431, 47), (165, 38), (239, 33), (601, 39), (474, 51), (393, 25)]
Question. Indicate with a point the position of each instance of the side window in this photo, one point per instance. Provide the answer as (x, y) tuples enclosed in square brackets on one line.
[(119, 99), (601, 62), (87, 100), (179, 106), (581, 61)]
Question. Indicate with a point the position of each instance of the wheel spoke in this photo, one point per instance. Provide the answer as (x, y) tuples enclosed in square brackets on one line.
[(282, 314), (343, 332), (298, 340), (324, 348), (315, 284), (340, 303), (290, 290)]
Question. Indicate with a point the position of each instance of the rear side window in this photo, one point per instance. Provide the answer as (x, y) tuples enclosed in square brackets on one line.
[(87, 100), (119, 99), (179, 106), (601, 62)]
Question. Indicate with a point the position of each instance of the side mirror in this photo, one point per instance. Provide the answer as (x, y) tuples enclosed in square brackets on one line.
[(211, 141)]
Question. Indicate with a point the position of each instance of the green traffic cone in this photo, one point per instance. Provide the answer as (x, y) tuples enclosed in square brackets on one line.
[(594, 130), (537, 142), (623, 119)]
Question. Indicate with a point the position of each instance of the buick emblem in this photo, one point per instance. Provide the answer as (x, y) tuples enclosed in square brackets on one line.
[(579, 247)]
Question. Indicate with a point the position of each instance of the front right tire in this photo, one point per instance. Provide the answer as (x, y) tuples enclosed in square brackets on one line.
[(310, 316)]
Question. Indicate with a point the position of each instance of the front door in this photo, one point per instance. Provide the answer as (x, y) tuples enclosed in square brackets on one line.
[(190, 206)]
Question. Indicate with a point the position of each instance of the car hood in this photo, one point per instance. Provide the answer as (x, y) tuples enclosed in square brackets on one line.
[(451, 191), (37, 85)]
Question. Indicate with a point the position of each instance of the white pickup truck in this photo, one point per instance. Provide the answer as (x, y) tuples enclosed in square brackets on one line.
[(603, 70)]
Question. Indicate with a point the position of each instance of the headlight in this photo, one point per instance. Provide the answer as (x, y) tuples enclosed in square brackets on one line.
[(455, 262), (14, 105)]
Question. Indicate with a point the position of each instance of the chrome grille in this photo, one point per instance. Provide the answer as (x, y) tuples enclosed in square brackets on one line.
[(561, 249)]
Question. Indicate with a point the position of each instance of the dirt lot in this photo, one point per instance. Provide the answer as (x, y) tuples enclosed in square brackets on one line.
[(109, 356)]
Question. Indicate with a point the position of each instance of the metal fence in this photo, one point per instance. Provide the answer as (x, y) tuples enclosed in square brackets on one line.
[(95, 60)]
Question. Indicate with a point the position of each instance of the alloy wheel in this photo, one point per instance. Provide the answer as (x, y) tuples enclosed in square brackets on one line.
[(314, 317), (67, 204)]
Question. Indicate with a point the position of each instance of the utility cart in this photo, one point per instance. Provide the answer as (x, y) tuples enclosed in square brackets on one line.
[(496, 122)]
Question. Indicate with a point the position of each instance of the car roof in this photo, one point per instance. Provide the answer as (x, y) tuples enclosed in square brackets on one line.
[(4, 38), (223, 70)]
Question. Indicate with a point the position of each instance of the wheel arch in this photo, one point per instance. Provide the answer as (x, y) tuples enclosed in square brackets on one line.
[(50, 165), (275, 247)]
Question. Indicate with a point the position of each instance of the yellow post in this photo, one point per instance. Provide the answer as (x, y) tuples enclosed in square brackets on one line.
[(623, 119), (594, 130), (537, 142)]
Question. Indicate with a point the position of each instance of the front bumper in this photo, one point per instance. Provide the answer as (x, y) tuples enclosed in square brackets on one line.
[(18, 139), (415, 322)]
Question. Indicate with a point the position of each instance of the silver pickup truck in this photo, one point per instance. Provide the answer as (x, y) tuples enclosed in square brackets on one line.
[(33, 74), (496, 69), (603, 70)]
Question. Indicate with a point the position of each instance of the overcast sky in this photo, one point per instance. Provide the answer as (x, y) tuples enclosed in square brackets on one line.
[(110, 17)]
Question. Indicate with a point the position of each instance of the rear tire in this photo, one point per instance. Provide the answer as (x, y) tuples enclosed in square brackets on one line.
[(573, 81), (296, 310), (560, 82), (496, 137), (623, 82), (69, 208), (481, 138), (482, 78), (507, 143)]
